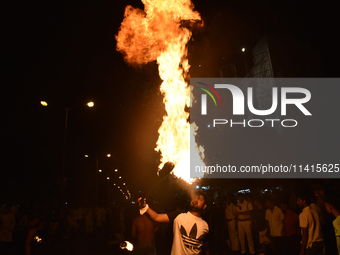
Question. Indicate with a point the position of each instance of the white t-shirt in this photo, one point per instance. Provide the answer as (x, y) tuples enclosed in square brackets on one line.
[(275, 218), (310, 219), (189, 232), (242, 207)]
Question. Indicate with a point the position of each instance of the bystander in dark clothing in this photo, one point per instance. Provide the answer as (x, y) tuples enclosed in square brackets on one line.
[(292, 230)]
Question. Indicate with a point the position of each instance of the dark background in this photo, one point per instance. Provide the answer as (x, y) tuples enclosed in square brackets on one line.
[(63, 52)]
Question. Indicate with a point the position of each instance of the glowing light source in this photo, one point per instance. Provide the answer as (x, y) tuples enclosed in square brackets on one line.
[(99, 170), (86, 156), (43, 103), (38, 239), (116, 170), (243, 49), (108, 178), (108, 155), (126, 246), (120, 177), (90, 104)]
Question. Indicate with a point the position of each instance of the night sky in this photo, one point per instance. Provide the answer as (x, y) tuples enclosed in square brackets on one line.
[(63, 52)]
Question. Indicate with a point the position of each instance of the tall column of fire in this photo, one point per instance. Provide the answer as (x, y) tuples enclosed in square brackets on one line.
[(157, 34)]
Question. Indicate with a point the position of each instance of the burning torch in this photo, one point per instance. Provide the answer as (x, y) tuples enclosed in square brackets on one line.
[(126, 245)]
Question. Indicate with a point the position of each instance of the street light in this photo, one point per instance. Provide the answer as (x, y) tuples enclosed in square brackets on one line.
[(44, 103)]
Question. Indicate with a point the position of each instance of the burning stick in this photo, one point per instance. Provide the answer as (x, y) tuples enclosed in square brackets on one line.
[(166, 170), (126, 245)]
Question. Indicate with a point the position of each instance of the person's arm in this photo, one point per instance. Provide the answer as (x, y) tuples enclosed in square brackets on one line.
[(304, 240), (163, 217), (248, 212), (28, 241)]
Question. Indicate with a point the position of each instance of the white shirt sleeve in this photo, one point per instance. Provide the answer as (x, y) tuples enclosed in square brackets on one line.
[(303, 221)]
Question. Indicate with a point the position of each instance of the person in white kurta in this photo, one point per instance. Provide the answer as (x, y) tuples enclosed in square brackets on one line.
[(243, 213), (231, 223)]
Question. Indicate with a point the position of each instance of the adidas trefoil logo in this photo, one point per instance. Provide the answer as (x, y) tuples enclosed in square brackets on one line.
[(191, 242)]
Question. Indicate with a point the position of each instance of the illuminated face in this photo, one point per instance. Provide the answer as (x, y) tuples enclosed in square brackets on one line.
[(300, 203), (197, 203)]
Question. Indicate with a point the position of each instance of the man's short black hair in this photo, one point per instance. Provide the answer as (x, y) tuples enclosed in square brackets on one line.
[(305, 196), (202, 193)]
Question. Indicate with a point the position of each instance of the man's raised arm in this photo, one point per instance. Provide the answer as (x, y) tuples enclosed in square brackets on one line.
[(144, 208)]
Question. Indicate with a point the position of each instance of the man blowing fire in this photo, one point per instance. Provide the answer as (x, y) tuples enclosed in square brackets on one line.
[(189, 229)]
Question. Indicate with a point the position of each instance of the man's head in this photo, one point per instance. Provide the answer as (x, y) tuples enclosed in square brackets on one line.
[(270, 203), (332, 204), (258, 202), (303, 200), (284, 204), (240, 197), (198, 201), (228, 200)]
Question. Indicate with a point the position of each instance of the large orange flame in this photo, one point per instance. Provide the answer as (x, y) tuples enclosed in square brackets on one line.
[(157, 34)]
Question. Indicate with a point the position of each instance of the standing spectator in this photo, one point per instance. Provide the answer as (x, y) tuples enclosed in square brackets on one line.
[(231, 223), (291, 229), (7, 223), (274, 217), (332, 204), (312, 240), (243, 213), (261, 224), (143, 230)]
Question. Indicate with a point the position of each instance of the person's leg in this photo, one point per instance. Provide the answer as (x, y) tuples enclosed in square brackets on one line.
[(235, 243), (242, 236), (249, 234)]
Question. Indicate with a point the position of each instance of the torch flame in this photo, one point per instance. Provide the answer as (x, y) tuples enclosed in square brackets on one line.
[(126, 245), (157, 34), (38, 239)]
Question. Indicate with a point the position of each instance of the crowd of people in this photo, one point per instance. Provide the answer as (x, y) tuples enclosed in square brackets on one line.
[(276, 222), (27, 228)]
